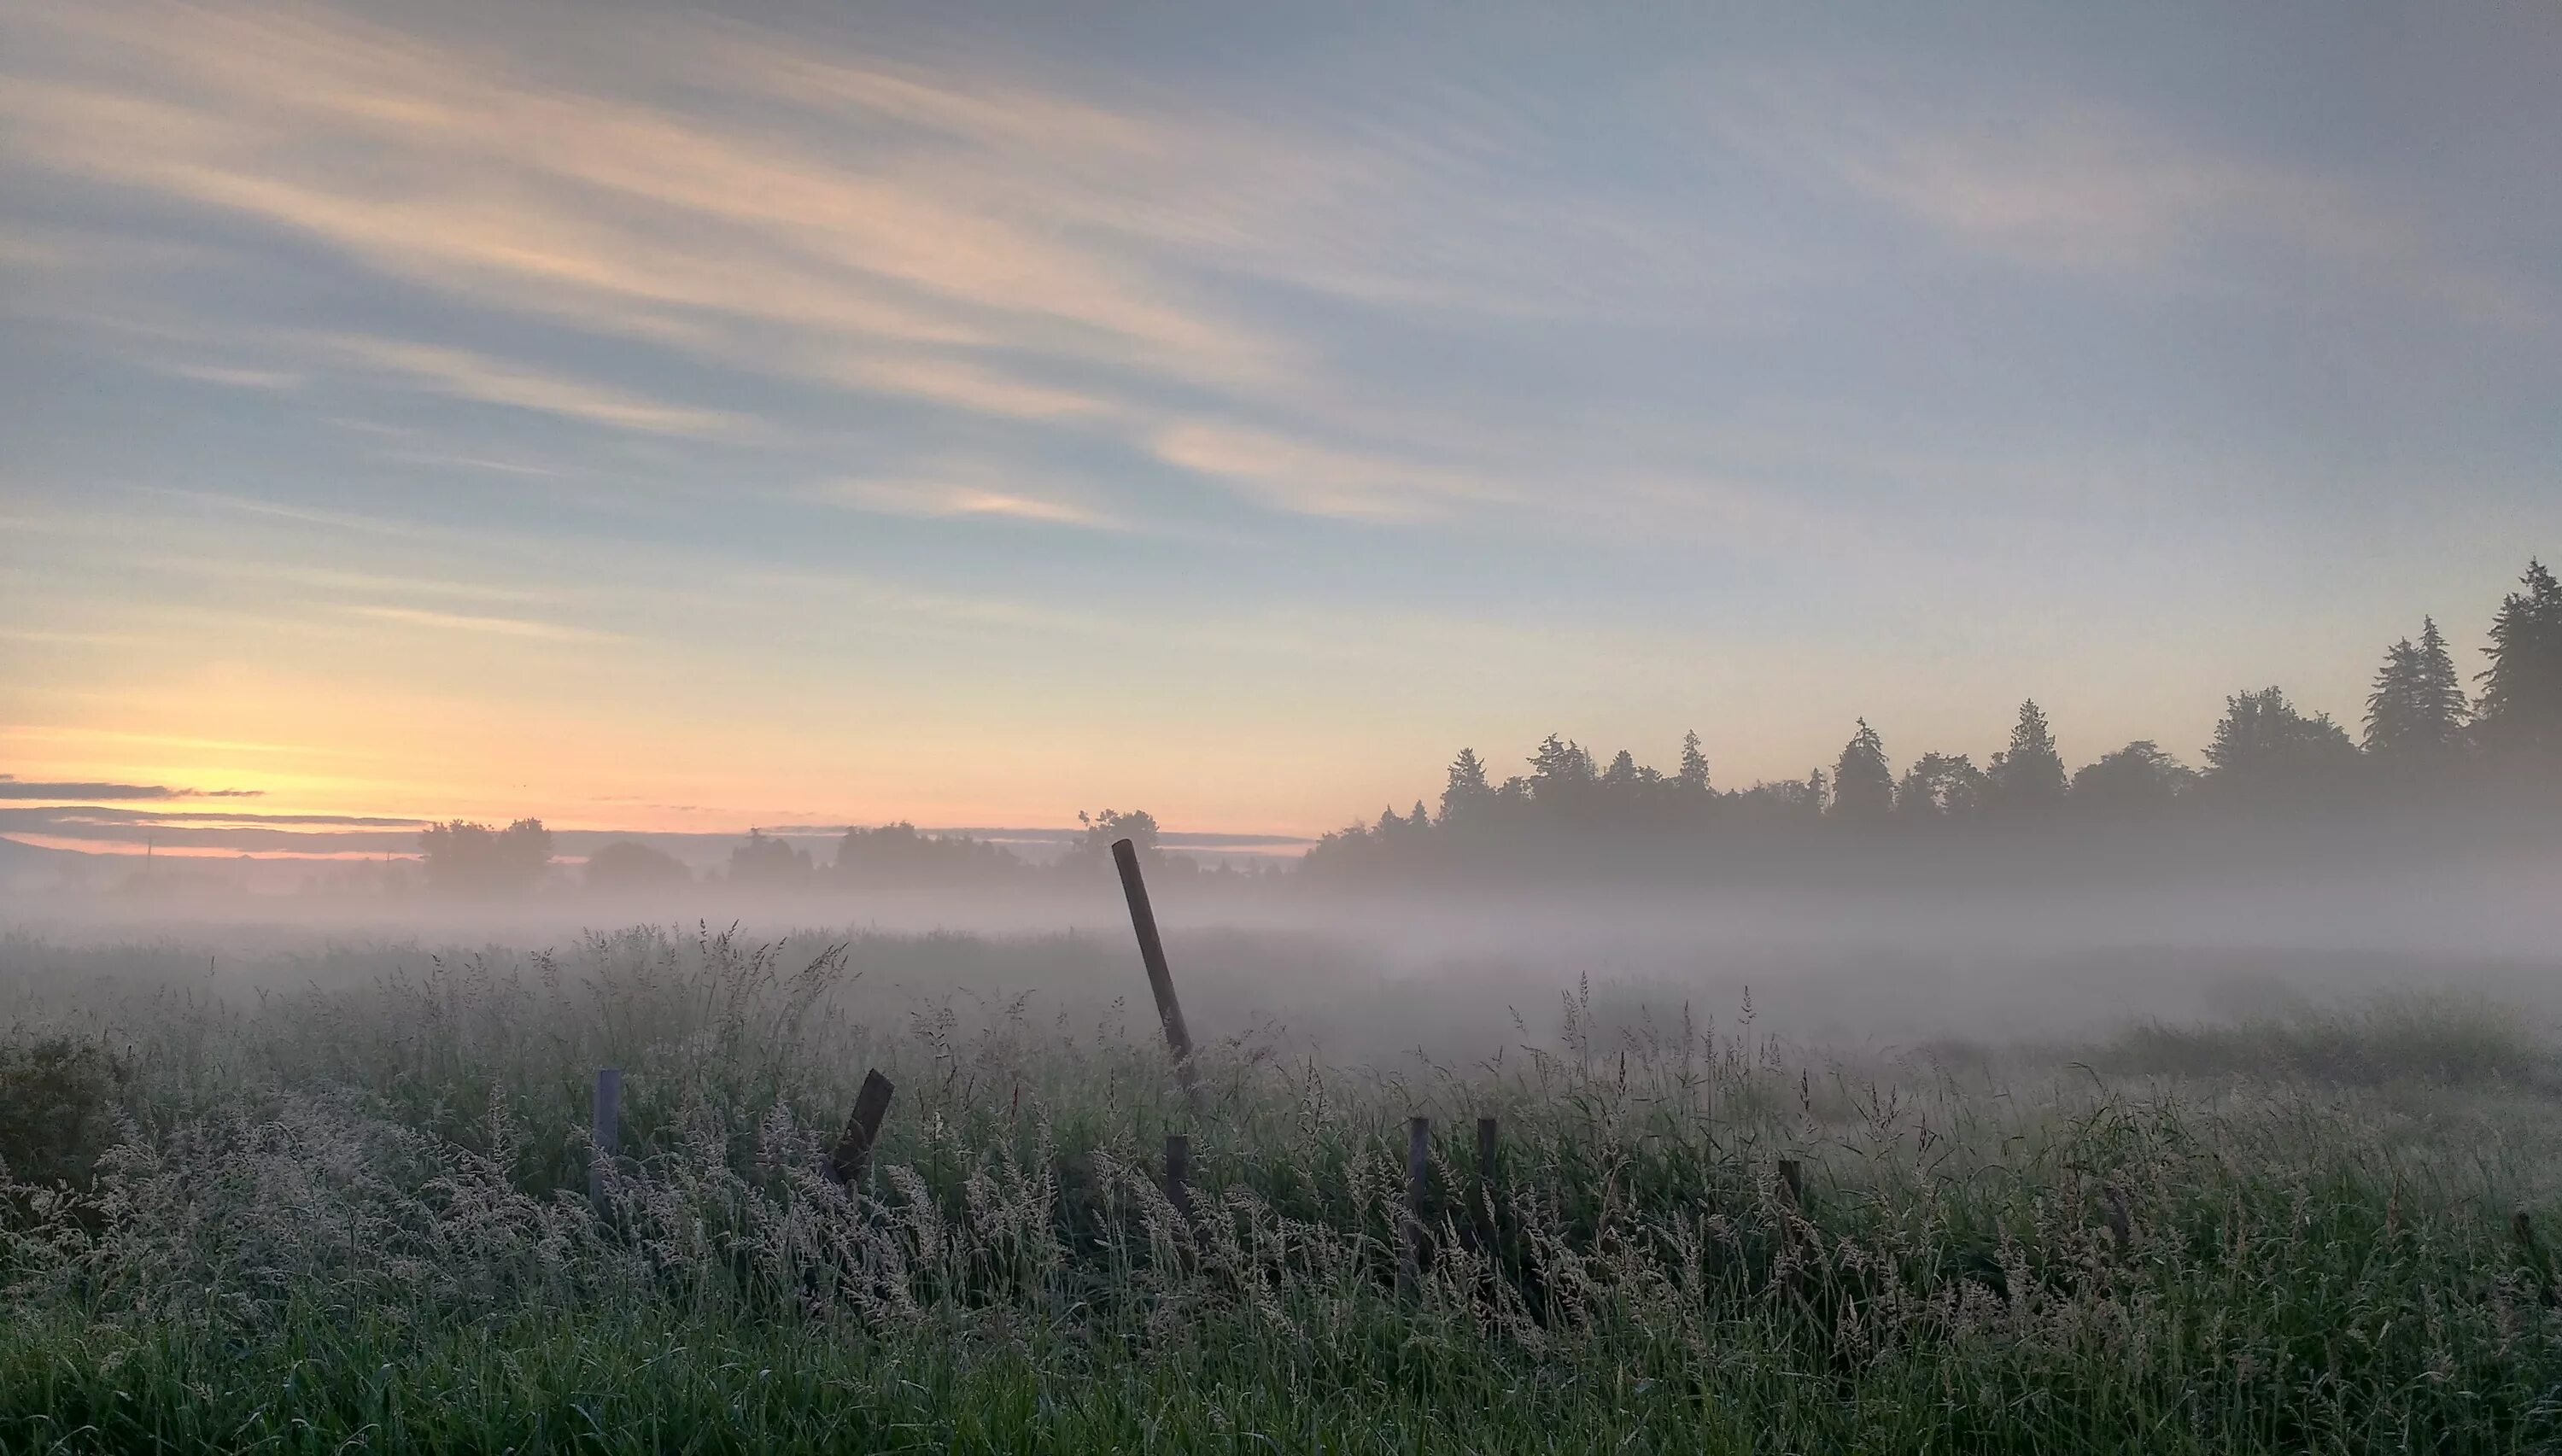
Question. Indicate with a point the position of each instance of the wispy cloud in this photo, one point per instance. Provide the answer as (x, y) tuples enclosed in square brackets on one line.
[(944, 499), (462, 374), (13, 788), (233, 376), (511, 627), (1315, 479)]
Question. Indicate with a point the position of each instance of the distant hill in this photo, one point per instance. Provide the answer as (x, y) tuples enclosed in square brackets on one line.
[(18, 861)]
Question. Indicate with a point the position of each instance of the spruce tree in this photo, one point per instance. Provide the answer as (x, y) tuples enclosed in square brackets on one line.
[(1694, 766), (1467, 792), (2520, 711), (2417, 710), (1863, 785), (2028, 775), (2392, 708)]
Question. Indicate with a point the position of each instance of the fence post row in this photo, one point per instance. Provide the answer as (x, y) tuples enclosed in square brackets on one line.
[(1161, 980), (853, 1151), (603, 1131)]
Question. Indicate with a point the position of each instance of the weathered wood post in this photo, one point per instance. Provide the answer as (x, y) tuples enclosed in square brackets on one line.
[(602, 1130), (1793, 1179), (1178, 1176), (1161, 980), (1486, 1196), (1418, 1183), (853, 1151)]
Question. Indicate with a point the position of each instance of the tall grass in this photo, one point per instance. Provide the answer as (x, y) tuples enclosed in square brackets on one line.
[(355, 1213)]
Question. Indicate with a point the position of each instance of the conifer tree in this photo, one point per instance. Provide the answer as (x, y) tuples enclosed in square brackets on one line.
[(2521, 698), (1466, 793), (1863, 785), (2028, 775), (1694, 766), (2416, 709)]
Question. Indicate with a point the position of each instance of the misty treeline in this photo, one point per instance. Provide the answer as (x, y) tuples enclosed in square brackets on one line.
[(478, 861), (2426, 744), (2428, 750)]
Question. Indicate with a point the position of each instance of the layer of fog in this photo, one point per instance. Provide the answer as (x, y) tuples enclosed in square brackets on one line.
[(1463, 976)]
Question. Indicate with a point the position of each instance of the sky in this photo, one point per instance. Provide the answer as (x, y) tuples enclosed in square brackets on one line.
[(822, 413)]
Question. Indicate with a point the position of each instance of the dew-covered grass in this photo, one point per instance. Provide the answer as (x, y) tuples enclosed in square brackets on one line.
[(347, 1207)]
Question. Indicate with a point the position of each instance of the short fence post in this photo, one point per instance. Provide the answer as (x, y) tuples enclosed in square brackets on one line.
[(1419, 1180), (1178, 1176), (853, 1151), (1161, 980), (603, 1131), (1793, 1179)]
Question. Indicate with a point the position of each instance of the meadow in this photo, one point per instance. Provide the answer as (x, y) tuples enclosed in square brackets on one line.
[(338, 1198)]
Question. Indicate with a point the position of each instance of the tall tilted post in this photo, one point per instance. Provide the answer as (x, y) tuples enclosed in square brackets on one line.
[(853, 1151), (1418, 1181), (603, 1131), (1151, 950)]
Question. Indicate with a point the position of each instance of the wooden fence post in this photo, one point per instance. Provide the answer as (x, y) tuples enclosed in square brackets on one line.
[(1418, 1181), (1486, 1182), (853, 1152), (603, 1131), (1793, 1179), (1161, 980), (1178, 1176)]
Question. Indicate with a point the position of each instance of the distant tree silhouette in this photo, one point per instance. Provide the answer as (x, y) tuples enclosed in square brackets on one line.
[(1863, 785), (896, 855), (1466, 794), (465, 859), (2416, 709), (2028, 775), (1094, 851), (2139, 778), (2262, 744), (1602, 817), (2520, 711), (628, 864), (767, 860), (1942, 786), (1693, 778), (1560, 771)]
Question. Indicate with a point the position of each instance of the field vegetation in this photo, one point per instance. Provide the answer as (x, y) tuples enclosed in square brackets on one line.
[(341, 1201)]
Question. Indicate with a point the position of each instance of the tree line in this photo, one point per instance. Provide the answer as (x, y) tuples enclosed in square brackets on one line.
[(2422, 733)]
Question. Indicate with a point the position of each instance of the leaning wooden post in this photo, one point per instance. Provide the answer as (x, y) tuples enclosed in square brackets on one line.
[(1151, 950), (602, 1130), (1793, 1179), (1178, 1176), (1419, 1180), (1486, 1182), (853, 1151)]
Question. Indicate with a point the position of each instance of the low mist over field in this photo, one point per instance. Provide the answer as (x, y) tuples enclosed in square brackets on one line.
[(1422, 728)]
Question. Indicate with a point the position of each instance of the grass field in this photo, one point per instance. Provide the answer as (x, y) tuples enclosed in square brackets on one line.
[(340, 1202)]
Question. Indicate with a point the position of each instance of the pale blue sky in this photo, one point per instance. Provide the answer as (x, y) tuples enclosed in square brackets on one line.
[(971, 414)]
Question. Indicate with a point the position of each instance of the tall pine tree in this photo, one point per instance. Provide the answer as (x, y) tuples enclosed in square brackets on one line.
[(2417, 710), (2521, 698), (1694, 766), (1863, 786), (1467, 792), (2028, 775)]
